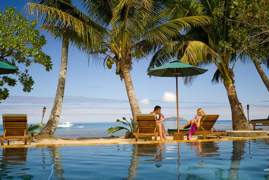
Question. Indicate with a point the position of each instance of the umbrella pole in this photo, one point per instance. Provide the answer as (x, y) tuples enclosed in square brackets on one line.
[(177, 104)]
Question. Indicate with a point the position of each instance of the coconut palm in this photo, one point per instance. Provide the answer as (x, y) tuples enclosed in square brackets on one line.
[(134, 28), (251, 30), (67, 31), (220, 50), (210, 44), (258, 66)]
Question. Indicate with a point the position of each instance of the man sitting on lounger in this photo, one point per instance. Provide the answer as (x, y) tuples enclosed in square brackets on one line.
[(194, 124), (159, 118)]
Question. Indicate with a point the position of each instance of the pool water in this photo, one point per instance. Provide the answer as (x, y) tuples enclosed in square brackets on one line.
[(210, 160)]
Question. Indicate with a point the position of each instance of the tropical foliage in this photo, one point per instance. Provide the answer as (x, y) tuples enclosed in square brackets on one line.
[(68, 32), (251, 31), (218, 32), (35, 128), (215, 44), (21, 45), (118, 31), (124, 124)]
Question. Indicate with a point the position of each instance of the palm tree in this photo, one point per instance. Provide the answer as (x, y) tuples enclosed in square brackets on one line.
[(252, 32), (258, 66), (133, 30), (67, 33), (222, 51), (58, 100), (210, 44)]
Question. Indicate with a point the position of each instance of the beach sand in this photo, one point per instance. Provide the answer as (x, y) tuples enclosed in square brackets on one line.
[(48, 142)]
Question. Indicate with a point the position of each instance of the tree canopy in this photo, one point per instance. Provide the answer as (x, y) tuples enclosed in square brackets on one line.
[(251, 27), (20, 45)]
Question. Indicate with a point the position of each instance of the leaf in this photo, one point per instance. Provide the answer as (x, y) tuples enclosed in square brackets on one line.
[(34, 128), (115, 129), (198, 52), (217, 77)]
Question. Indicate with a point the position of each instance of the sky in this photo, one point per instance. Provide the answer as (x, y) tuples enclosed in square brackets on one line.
[(96, 94)]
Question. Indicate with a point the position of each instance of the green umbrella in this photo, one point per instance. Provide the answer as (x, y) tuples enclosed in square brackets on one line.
[(6, 68), (176, 69)]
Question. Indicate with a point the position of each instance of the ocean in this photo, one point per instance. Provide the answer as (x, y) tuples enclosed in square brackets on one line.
[(98, 130)]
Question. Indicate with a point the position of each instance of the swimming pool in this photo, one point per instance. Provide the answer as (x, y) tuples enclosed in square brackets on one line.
[(210, 160)]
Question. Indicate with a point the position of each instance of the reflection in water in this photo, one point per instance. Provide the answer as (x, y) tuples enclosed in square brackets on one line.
[(56, 160), (237, 156), (14, 155), (11, 158), (210, 160), (205, 149), (145, 150), (134, 163)]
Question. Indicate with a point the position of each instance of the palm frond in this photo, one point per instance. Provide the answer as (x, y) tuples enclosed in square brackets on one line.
[(217, 77), (143, 48), (166, 52), (34, 128), (126, 123), (112, 130), (171, 28), (266, 62), (86, 29), (100, 10), (198, 52), (189, 79)]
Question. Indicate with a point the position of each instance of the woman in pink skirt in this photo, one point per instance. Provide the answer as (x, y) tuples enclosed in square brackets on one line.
[(194, 124)]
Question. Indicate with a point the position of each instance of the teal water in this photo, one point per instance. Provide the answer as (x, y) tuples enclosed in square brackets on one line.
[(225, 160), (99, 129), (79, 130)]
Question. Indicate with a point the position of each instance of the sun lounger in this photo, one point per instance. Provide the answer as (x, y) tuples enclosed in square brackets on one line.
[(146, 126), (259, 122), (207, 122), (14, 128), (206, 127)]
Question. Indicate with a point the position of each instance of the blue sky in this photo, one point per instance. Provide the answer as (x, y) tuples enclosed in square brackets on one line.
[(88, 78)]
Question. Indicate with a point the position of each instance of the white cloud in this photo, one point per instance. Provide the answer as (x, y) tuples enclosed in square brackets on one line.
[(145, 101), (169, 97)]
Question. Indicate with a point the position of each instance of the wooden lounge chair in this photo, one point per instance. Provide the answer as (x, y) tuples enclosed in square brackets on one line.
[(146, 126), (206, 127), (207, 122), (259, 122), (14, 127)]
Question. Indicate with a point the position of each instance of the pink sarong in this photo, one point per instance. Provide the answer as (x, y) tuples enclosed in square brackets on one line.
[(192, 130)]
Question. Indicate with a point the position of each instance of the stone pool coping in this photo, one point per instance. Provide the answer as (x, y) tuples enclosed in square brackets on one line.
[(59, 142)]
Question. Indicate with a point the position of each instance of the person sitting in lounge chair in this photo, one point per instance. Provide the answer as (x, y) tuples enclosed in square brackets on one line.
[(159, 118), (194, 124)]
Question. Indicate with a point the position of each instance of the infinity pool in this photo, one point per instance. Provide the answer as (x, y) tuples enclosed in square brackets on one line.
[(225, 160)]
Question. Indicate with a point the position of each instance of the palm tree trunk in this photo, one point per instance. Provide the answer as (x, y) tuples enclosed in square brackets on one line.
[(262, 74), (238, 117), (126, 75), (56, 111)]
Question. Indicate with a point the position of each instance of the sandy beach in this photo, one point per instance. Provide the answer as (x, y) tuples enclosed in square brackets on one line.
[(58, 142)]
